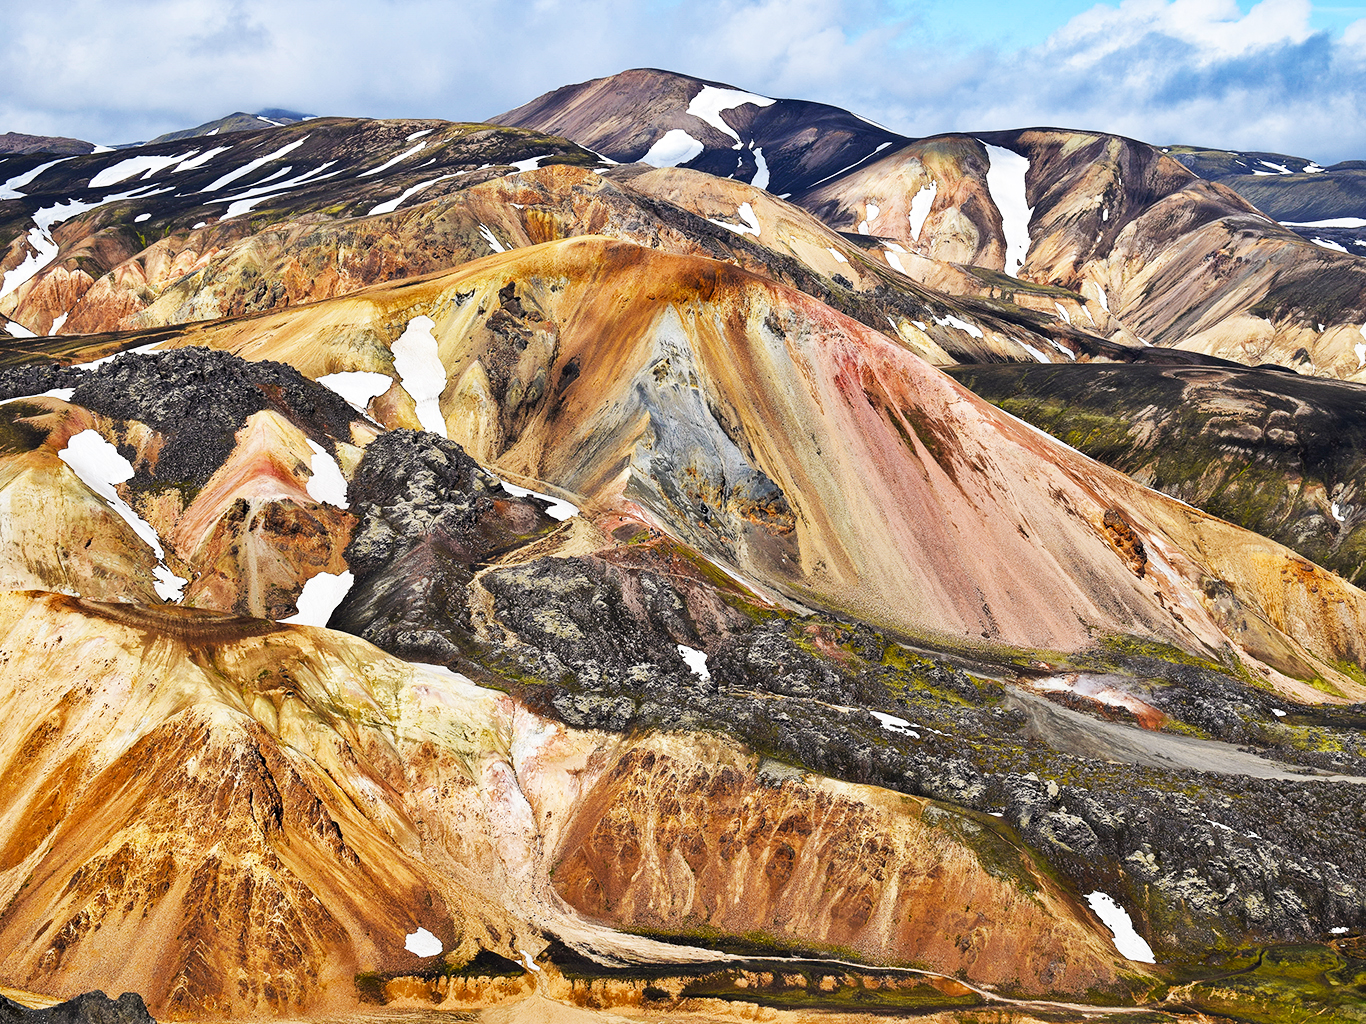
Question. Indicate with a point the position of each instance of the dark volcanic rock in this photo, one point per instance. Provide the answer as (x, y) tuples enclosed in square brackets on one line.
[(90, 1008)]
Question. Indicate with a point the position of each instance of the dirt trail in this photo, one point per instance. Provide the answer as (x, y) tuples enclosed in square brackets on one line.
[(1073, 732)]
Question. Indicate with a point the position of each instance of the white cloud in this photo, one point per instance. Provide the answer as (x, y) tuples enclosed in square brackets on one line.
[(1162, 70)]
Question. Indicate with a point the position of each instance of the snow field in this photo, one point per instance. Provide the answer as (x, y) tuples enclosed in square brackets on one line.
[(327, 483), (695, 660), (1127, 941), (708, 104), (1006, 183), (559, 508), (921, 204), (421, 372), (320, 597), (674, 148)]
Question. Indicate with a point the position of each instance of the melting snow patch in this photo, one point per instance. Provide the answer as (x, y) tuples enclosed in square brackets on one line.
[(559, 508), (696, 660), (417, 135), (423, 943), (1328, 243), (853, 165), (952, 321), (59, 323), (393, 204), (761, 174), (531, 163), (319, 599), (1006, 183), (746, 214), (1278, 168), (327, 483), (893, 260), (493, 242), (1312, 168), (247, 168), (17, 330), (1335, 222), (1062, 313), (676, 147), (421, 372), (1129, 943), (146, 166), (7, 189), (836, 253), (530, 963), (1337, 513), (1278, 712), (358, 387), (708, 104), (894, 724), (1036, 353), (1339, 930), (99, 466), (393, 160), (244, 201), (44, 252), (921, 203), (199, 161)]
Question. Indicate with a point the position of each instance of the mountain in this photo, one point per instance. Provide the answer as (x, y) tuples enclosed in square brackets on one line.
[(17, 143), (442, 567), (1326, 205), (237, 122)]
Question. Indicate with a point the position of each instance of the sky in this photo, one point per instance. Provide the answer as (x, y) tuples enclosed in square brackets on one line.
[(1286, 76)]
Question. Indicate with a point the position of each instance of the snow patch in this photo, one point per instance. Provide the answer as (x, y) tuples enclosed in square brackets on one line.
[(746, 214), (44, 252), (836, 253), (393, 160), (423, 943), (921, 203), (7, 189), (146, 166), (1337, 513), (761, 174), (244, 201), (531, 163), (327, 483), (1312, 168), (708, 104), (893, 260), (488, 236), (695, 660), (199, 161), (1339, 930), (1062, 313), (1335, 222), (559, 508), (142, 217), (1278, 712), (99, 466), (853, 165), (247, 168), (893, 724), (320, 597), (420, 134), (17, 330), (1328, 243), (59, 323), (1102, 298), (358, 387), (1006, 183), (1127, 941), (421, 372), (531, 964), (393, 204), (1278, 168), (676, 147), (952, 321)]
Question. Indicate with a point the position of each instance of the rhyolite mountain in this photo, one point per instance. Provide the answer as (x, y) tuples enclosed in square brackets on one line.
[(442, 566)]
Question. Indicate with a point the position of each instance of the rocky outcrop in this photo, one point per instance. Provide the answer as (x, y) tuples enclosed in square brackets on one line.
[(90, 1008)]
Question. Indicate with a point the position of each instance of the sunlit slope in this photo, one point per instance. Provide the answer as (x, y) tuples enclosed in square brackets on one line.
[(804, 449)]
